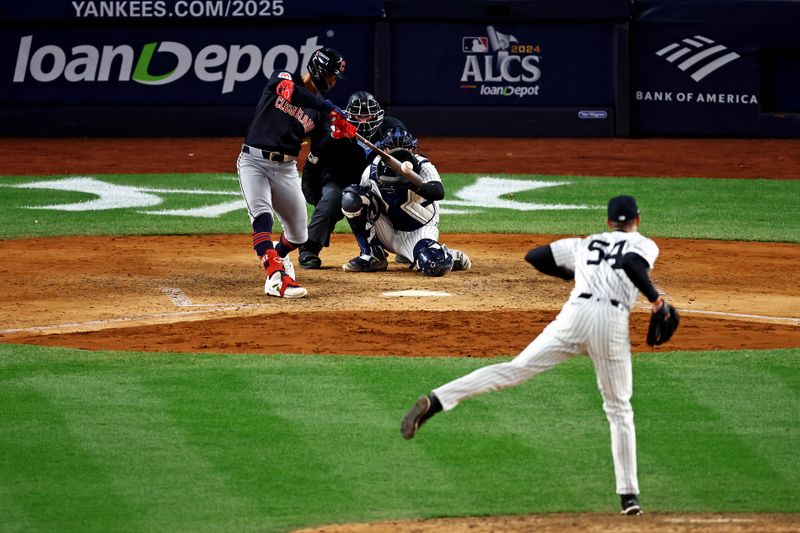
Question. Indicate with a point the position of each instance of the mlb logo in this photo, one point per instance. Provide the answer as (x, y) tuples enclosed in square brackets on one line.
[(474, 44)]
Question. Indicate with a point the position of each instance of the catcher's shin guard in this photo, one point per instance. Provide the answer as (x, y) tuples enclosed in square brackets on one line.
[(355, 203)]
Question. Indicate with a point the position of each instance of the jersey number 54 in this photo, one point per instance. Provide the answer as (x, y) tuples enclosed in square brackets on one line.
[(613, 256)]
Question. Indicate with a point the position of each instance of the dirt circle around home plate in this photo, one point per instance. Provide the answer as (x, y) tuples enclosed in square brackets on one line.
[(204, 293)]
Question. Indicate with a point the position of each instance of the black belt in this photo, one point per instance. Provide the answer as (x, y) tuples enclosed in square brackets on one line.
[(277, 157), (586, 296)]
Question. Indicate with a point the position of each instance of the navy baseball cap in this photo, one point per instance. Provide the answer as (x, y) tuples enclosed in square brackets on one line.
[(622, 208)]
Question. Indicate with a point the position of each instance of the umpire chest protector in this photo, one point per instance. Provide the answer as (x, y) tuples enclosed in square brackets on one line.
[(344, 160)]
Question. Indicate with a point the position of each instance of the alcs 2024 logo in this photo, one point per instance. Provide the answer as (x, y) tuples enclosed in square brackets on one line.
[(498, 65)]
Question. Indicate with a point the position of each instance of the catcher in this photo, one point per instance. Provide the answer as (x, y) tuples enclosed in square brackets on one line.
[(609, 270), (386, 212)]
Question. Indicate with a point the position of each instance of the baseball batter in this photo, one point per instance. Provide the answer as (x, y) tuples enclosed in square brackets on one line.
[(291, 108), (609, 270)]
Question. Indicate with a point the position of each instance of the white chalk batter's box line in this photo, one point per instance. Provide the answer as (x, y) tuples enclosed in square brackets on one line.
[(683, 311), (212, 308)]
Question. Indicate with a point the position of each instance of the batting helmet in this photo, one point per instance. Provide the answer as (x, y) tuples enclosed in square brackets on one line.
[(364, 112), (322, 62), (398, 138), (431, 258)]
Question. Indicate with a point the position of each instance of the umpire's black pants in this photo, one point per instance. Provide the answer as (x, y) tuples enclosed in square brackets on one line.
[(327, 213)]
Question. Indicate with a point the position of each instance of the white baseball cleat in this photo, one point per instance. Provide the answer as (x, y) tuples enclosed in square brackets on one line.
[(281, 285), (460, 260), (288, 267)]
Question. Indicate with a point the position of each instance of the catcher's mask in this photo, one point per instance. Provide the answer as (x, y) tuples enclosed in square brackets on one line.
[(325, 61), (365, 113), (386, 174), (397, 137), (432, 259)]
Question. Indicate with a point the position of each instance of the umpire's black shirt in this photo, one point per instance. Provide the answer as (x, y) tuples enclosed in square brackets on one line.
[(342, 160)]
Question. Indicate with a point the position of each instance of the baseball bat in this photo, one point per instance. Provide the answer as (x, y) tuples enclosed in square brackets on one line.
[(408, 173)]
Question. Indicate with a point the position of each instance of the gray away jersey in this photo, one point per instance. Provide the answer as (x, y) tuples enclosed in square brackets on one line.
[(597, 263)]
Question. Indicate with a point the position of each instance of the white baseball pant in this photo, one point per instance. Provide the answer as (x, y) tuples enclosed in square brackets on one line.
[(593, 327)]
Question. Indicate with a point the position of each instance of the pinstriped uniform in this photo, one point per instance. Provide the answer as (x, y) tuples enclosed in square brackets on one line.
[(593, 322), (405, 217)]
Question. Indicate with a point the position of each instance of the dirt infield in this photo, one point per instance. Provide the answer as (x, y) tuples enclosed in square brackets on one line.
[(586, 523), (204, 293), (703, 158)]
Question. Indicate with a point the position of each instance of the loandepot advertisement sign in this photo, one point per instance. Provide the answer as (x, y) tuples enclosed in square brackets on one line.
[(107, 66), (213, 63)]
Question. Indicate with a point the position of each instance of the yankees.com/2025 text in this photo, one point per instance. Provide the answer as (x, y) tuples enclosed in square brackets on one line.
[(181, 8)]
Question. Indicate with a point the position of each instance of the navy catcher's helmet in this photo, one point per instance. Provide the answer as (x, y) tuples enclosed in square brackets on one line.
[(364, 112), (432, 259), (398, 138), (325, 61)]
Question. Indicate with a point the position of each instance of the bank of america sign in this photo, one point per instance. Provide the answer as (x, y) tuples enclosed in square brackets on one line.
[(698, 56)]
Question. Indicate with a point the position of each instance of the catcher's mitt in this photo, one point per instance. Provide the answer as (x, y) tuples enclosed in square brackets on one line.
[(388, 177), (663, 324)]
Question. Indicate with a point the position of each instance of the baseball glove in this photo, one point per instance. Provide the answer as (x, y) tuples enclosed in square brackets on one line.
[(389, 177), (663, 324), (391, 180)]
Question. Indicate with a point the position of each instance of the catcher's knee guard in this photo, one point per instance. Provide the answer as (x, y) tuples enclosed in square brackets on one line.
[(431, 258), (360, 202), (355, 201)]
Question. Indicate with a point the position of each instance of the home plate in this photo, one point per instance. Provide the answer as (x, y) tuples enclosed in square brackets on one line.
[(414, 292)]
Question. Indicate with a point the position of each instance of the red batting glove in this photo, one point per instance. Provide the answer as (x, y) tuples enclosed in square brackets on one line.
[(341, 128)]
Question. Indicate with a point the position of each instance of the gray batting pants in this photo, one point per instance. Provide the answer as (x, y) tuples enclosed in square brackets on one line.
[(274, 188)]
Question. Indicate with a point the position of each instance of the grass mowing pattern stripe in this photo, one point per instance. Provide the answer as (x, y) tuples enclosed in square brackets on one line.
[(135, 442), (45, 468), (727, 209)]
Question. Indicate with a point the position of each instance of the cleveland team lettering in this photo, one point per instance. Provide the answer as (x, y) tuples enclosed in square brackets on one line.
[(296, 112)]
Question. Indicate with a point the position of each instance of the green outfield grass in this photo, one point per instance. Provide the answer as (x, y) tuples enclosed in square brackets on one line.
[(729, 209), (110, 441)]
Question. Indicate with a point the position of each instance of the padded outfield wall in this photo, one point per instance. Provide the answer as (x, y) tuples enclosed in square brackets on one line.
[(596, 68), (714, 67)]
